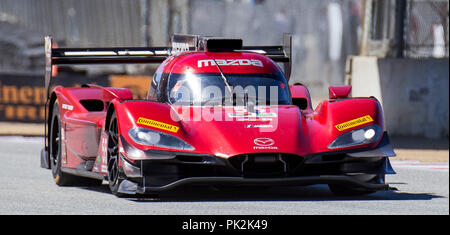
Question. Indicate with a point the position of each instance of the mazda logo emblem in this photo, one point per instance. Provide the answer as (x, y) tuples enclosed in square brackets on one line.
[(264, 142)]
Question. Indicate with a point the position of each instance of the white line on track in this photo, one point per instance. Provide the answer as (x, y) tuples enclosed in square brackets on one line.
[(21, 139), (437, 166)]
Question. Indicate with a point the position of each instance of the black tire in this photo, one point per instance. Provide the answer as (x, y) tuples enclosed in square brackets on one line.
[(61, 178), (347, 190), (114, 171)]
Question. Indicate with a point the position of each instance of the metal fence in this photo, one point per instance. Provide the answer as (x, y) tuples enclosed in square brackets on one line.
[(73, 23), (79, 22), (427, 28)]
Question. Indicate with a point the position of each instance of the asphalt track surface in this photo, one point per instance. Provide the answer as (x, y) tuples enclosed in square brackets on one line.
[(25, 188)]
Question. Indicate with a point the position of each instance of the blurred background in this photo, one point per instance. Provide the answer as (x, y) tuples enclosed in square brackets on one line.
[(395, 50)]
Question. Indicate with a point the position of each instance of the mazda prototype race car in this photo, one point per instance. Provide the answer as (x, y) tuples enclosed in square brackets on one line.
[(217, 113)]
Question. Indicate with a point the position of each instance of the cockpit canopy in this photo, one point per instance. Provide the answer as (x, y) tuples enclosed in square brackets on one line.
[(218, 78)]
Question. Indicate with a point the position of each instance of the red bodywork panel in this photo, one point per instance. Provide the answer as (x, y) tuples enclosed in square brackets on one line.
[(222, 131), (80, 135), (339, 92)]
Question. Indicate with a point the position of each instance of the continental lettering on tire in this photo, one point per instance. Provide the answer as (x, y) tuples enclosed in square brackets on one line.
[(355, 122), (156, 124)]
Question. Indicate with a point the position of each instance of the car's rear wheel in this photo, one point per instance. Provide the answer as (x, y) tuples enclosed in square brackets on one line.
[(347, 190), (114, 175), (59, 177)]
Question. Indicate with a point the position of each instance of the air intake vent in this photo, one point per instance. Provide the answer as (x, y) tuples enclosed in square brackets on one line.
[(221, 44), (266, 164), (93, 105)]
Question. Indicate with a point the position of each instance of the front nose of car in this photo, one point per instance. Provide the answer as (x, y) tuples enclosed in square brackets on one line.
[(233, 131)]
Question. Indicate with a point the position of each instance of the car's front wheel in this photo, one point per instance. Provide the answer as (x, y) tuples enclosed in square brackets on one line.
[(114, 171)]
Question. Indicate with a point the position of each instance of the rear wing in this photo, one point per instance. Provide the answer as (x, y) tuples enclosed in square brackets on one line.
[(133, 55), (103, 55)]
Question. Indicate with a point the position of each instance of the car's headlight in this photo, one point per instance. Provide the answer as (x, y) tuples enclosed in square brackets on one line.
[(368, 134), (146, 136)]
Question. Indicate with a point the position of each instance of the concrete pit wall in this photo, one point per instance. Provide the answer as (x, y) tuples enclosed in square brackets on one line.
[(414, 93)]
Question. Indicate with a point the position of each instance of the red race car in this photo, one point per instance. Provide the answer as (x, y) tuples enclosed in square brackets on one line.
[(217, 113)]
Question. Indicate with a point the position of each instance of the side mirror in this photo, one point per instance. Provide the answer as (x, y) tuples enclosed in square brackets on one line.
[(300, 97), (339, 92)]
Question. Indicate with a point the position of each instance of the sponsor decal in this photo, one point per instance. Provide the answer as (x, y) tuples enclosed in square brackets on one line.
[(256, 114), (97, 163), (156, 124), (253, 119), (355, 122), (264, 143), (104, 149), (258, 126), (240, 109), (230, 62), (101, 161), (260, 112), (179, 47), (104, 169), (66, 106), (258, 109), (249, 115)]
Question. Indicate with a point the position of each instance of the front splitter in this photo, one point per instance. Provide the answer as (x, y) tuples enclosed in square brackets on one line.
[(240, 181)]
